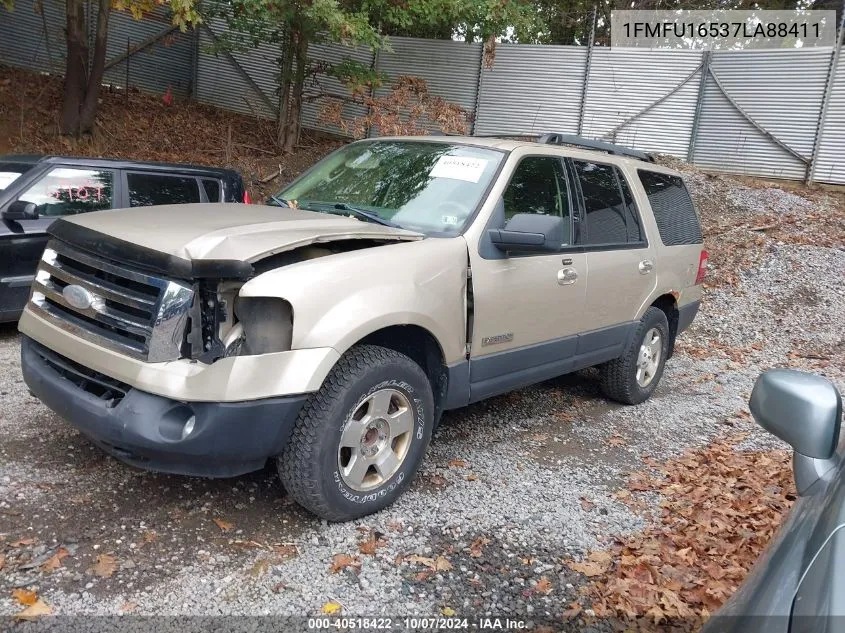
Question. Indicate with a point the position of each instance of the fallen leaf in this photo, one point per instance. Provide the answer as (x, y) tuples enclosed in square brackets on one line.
[(588, 568), (342, 561), (572, 611), (223, 524), (278, 587), (55, 561), (330, 608), (23, 542), (35, 610), (586, 504), (616, 440), (422, 576), (477, 545), (544, 586), (447, 611), (2, 560), (24, 596), (422, 560), (104, 566), (259, 567), (286, 550), (373, 542), (128, 607), (442, 564), (472, 477), (457, 463)]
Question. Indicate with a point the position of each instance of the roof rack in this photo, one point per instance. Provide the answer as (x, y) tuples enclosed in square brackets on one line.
[(554, 138)]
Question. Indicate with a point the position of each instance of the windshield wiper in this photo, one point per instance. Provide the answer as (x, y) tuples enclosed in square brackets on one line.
[(280, 201), (329, 207)]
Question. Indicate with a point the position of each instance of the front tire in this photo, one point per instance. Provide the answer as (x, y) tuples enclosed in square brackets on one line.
[(358, 441), (633, 377)]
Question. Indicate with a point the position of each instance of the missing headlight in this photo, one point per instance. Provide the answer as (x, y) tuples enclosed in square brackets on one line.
[(267, 326)]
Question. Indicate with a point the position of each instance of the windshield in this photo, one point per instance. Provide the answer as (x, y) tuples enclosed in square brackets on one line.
[(417, 185), (9, 172)]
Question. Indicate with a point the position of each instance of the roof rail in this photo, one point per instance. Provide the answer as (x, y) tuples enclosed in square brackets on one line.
[(554, 138)]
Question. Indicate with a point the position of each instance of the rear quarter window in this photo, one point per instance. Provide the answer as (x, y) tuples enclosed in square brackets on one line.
[(673, 209), (212, 189)]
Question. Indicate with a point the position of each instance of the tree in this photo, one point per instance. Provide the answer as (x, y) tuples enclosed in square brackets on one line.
[(295, 25), (83, 77)]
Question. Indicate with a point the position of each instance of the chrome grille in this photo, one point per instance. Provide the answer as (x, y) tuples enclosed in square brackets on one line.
[(121, 308)]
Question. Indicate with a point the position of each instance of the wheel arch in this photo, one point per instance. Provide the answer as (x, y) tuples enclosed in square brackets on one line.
[(668, 304), (421, 346)]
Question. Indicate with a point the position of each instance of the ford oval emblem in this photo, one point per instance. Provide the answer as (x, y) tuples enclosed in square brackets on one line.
[(78, 297)]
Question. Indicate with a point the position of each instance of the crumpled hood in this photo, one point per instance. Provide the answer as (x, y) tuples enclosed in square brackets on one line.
[(241, 232)]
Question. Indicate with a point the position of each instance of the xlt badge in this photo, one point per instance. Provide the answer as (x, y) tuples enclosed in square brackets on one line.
[(498, 338)]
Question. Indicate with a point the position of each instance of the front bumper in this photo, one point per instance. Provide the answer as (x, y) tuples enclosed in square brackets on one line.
[(145, 430), (230, 379)]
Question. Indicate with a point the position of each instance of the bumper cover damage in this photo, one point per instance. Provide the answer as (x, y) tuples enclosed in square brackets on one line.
[(148, 431)]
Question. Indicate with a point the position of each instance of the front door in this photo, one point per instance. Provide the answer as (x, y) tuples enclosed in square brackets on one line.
[(527, 307), (61, 191)]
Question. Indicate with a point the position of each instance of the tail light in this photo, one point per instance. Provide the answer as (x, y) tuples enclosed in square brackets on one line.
[(247, 198), (702, 267)]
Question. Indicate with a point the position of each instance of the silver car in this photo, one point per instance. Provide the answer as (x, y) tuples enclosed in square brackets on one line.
[(796, 586)]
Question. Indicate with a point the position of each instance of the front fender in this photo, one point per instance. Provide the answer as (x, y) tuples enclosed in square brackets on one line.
[(339, 299)]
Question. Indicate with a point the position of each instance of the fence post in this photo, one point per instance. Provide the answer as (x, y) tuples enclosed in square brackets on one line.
[(374, 67), (478, 90), (828, 91), (696, 119), (587, 72)]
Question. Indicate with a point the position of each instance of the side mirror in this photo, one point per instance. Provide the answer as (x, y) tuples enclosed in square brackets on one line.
[(805, 411), (20, 210), (529, 232)]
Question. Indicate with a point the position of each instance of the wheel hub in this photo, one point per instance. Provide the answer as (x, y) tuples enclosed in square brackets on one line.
[(375, 439), (648, 359)]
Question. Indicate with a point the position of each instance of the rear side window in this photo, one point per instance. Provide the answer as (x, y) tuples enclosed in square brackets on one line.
[(673, 209), (610, 213), (150, 189), (212, 189)]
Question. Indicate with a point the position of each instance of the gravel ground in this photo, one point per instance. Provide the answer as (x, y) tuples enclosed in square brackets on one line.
[(510, 489)]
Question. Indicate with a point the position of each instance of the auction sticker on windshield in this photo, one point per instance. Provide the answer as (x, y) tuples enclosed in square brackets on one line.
[(459, 168)]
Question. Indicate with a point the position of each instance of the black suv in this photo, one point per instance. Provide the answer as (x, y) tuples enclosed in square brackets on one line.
[(35, 190)]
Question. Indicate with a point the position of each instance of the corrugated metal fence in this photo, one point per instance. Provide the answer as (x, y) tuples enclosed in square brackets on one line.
[(751, 112)]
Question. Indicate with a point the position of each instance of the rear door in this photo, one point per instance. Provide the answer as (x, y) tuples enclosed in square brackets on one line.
[(620, 259), (59, 191)]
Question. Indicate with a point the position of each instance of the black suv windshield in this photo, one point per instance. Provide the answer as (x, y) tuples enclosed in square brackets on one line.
[(9, 172), (424, 186)]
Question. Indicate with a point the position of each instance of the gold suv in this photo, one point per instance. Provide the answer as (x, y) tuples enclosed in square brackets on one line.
[(330, 329)]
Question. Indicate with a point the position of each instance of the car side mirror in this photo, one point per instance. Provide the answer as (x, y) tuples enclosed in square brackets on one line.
[(805, 411), (529, 232), (21, 210)]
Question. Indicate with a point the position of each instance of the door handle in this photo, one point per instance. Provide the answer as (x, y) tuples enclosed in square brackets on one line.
[(646, 266), (567, 276)]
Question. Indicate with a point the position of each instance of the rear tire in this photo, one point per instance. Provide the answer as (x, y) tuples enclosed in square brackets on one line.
[(358, 441), (633, 377)]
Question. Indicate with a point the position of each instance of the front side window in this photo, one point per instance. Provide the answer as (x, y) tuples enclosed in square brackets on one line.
[(70, 190), (146, 189), (610, 215), (423, 186), (538, 185)]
